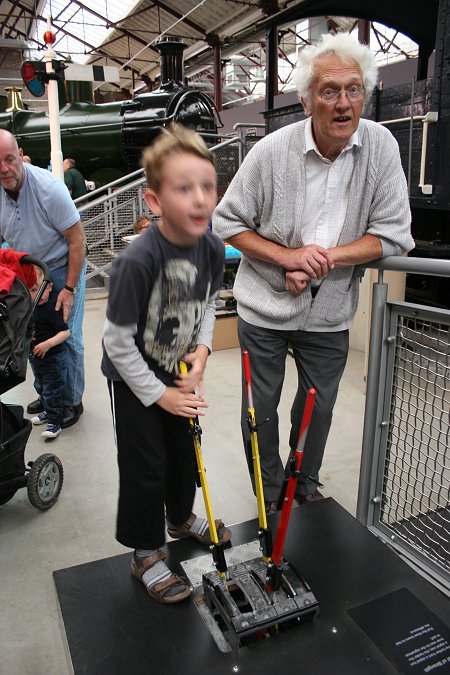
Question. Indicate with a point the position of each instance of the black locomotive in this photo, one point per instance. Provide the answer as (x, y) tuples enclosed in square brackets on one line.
[(144, 116), (107, 139)]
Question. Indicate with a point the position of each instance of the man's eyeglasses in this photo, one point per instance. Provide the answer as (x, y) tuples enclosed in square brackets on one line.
[(331, 95)]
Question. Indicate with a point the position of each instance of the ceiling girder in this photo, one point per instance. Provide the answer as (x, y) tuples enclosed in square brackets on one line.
[(177, 15), (242, 29)]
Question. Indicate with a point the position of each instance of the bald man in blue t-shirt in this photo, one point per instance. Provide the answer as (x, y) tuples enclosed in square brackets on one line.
[(37, 215)]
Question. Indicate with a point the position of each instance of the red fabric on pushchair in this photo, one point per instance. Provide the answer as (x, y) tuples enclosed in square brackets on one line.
[(10, 268), (16, 310)]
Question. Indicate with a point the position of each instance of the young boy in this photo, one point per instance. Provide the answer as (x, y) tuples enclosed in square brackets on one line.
[(160, 311), (48, 357)]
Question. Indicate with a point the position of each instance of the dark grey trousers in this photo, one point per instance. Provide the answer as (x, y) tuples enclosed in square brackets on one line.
[(320, 360)]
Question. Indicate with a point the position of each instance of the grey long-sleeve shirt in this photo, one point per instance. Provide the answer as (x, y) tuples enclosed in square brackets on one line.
[(161, 305), (267, 195)]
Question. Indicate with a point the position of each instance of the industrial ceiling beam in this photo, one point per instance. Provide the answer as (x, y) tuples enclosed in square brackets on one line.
[(195, 26), (109, 24), (4, 24)]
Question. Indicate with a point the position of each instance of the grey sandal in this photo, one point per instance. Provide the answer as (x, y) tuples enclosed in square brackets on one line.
[(183, 531), (172, 590)]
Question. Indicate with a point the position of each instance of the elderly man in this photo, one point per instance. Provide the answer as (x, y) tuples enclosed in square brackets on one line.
[(38, 216), (309, 203)]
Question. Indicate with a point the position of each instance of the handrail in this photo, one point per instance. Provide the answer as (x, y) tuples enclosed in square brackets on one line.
[(402, 119), (116, 193), (235, 139), (245, 125), (88, 196), (397, 263), (250, 125), (80, 201), (85, 201), (429, 118)]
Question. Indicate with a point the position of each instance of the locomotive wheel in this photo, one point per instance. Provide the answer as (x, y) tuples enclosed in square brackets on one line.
[(45, 481)]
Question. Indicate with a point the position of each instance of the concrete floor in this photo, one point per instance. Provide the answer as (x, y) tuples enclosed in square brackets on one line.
[(80, 527)]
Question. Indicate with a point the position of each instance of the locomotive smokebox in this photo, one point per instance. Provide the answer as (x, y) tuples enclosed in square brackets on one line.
[(171, 52), (173, 101)]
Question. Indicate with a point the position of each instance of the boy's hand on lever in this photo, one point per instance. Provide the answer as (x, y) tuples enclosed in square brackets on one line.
[(193, 379), (177, 402)]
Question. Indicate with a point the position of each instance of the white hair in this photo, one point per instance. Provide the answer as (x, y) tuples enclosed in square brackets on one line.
[(342, 45)]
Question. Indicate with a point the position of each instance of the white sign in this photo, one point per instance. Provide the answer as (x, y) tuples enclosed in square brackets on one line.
[(90, 73)]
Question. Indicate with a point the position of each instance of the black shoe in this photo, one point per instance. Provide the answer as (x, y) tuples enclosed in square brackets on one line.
[(72, 414), (315, 496), (35, 407)]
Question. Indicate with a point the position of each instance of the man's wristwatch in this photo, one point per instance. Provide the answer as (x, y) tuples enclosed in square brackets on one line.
[(69, 288)]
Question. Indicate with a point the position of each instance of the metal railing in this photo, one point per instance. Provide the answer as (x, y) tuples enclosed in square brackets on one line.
[(106, 220), (405, 465)]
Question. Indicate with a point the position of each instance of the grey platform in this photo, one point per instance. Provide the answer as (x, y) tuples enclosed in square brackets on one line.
[(114, 628)]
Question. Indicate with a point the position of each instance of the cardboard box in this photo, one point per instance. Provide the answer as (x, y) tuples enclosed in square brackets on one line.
[(225, 332)]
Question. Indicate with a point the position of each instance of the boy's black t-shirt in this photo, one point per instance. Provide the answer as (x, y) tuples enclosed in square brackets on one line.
[(164, 289), (47, 322)]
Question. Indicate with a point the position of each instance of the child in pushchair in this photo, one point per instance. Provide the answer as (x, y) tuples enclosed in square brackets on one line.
[(43, 478)]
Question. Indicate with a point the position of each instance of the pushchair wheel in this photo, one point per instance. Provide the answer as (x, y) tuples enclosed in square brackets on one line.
[(45, 481)]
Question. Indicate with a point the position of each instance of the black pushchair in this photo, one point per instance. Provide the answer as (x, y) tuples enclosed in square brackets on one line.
[(43, 478)]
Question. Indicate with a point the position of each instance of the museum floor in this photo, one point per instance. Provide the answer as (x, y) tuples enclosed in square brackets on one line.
[(80, 527)]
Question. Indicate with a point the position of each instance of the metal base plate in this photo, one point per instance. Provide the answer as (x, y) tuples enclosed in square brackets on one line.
[(242, 607)]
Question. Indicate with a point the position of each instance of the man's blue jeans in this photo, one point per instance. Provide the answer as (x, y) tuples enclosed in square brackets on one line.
[(73, 391)]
